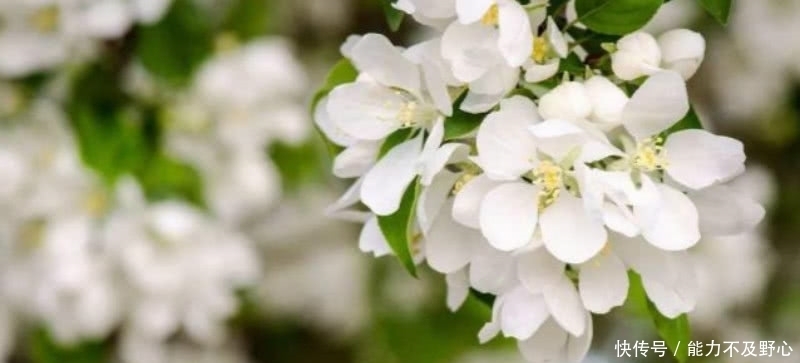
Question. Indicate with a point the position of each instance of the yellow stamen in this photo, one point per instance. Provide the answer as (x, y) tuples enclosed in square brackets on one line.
[(492, 16), (408, 114), (541, 48), (649, 155), (549, 177)]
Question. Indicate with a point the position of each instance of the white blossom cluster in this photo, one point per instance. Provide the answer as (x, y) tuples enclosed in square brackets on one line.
[(560, 191), (40, 35)]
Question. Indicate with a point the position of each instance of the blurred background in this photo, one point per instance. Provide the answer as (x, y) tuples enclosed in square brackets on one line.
[(163, 190)]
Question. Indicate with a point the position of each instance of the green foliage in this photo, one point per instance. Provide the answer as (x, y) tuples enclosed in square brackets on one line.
[(617, 17), (675, 332), (342, 72), (572, 65), (174, 48), (397, 228), (43, 349), (298, 165), (164, 178), (394, 17), (719, 9), (461, 123), (249, 19)]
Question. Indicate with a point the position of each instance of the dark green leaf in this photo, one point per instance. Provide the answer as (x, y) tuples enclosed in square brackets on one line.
[(572, 65), (163, 177), (397, 228), (174, 48), (461, 123), (43, 349), (394, 139), (394, 17), (486, 299), (342, 72), (616, 17), (690, 121), (719, 9)]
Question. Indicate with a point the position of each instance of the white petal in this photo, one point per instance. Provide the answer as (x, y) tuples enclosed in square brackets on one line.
[(557, 39), (698, 158), (578, 347), (347, 200), (470, 11), (479, 103), (449, 245), (671, 222), (457, 289), (565, 306), (637, 55), (372, 239), (682, 50), (499, 79), (492, 328), (569, 232), (386, 182), (471, 50), (658, 104), (644, 258), (516, 38), (555, 128), (608, 100), (569, 101), (508, 215), (538, 269), (492, 271), (448, 153), (433, 198), (673, 299), (603, 283), (535, 73), (355, 160), (505, 147), (724, 211), (619, 219), (546, 346), (467, 203), (365, 110), (375, 55), (523, 313), (328, 127)]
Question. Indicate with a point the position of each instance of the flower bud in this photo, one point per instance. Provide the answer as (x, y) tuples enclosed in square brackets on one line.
[(607, 99), (682, 50), (569, 101), (637, 55)]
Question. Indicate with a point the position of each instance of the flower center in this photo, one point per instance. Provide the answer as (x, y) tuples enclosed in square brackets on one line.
[(540, 49), (45, 20), (491, 17), (408, 114), (550, 178), (650, 155)]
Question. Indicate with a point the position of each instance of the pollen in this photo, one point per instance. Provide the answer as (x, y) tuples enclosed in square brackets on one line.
[(492, 16), (650, 155), (462, 182), (540, 50), (408, 114), (550, 178), (46, 19)]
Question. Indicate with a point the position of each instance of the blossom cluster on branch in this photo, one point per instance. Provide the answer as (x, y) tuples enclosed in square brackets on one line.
[(536, 153)]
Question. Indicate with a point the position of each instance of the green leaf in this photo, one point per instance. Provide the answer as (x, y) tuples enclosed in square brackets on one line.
[(43, 349), (675, 332), (394, 17), (164, 177), (690, 121), (174, 48), (719, 9), (342, 72), (461, 123), (616, 17), (394, 139), (572, 65), (397, 228)]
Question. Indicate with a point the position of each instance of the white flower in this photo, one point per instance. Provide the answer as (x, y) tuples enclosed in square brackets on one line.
[(433, 13), (637, 55), (547, 53), (514, 35), (32, 38), (682, 50)]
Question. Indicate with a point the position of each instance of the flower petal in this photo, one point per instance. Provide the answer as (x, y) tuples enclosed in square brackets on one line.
[(491, 271), (671, 221), (505, 147), (603, 283), (538, 269), (449, 246), (372, 239), (523, 313), (467, 203), (355, 160), (470, 11), (328, 127), (457, 289), (508, 215), (658, 104), (375, 55), (698, 158), (569, 232), (725, 212), (433, 198), (516, 38), (386, 182), (535, 73), (365, 110), (547, 345), (565, 306)]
